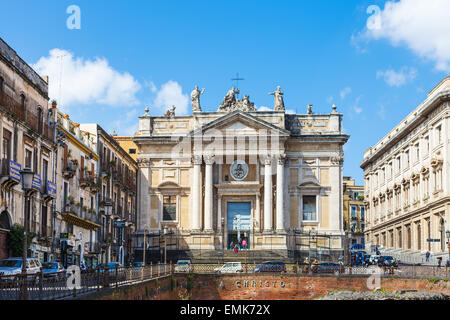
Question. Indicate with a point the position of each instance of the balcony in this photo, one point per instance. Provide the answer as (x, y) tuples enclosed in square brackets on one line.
[(105, 201), (117, 178), (9, 173), (16, 111), (78, 216), (85, 179), (69, 170)]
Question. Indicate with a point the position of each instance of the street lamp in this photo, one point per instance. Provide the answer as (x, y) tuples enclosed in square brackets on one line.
[(108, 206), (145, 247), (448, 243), (27, 183), (165, 245), (223, 235)]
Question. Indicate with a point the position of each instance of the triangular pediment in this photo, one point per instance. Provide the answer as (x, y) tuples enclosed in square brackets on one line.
[(240, 123)]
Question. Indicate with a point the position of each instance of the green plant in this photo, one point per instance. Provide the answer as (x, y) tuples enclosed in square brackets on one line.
[(433, 280), (14, 240), (381, 290)]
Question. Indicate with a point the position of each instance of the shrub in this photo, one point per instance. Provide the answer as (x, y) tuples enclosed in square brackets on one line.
[(14, 240)]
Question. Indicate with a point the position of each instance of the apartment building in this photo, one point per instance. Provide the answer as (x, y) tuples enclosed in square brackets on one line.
[(27, 135), (407, 180), (354, 211), (117, 196)]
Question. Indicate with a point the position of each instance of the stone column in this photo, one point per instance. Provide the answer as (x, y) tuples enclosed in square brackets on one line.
[(268, 200), (280, 194), (196, 194), (209, 161)]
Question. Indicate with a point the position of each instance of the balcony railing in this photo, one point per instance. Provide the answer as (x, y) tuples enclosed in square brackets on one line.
[(15, 109), (69, 170)]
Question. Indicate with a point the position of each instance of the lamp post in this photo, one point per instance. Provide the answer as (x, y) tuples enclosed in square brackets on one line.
[(448, 243), (108, 206), (165, 245), (27, 183), (223, 236)]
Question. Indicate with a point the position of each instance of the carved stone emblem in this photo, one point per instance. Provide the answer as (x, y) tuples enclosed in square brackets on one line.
[(239, 170)]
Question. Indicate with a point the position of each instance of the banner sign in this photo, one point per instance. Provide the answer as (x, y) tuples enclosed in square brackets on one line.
[(51, 189), (36, 182), (14, 171)]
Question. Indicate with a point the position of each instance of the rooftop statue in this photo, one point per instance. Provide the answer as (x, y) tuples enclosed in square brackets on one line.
[(279, 102), (195, 99), (230, 103), (171, 112)]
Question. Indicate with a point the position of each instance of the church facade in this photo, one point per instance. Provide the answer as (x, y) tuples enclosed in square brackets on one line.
[(260, 179)]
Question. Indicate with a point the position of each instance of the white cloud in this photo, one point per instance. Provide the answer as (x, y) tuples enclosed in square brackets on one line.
[(344, 92), (86, 81), (288, 111), (422, 26), (397, 78), (263, 108), (356, 108), (171, 93)]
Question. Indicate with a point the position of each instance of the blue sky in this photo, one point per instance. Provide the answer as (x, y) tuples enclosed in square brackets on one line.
[(132, 54)]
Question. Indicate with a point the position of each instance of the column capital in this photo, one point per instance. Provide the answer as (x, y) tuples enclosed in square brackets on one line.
[(267, 160), (281, 159), (196, 159), (209, 159)]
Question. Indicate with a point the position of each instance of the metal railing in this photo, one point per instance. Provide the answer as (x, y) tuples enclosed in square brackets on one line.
[(59, 285)]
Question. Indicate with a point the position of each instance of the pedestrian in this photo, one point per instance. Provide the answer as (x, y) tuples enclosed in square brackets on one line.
[(439, 262), (447, 265), (427, 255), (236, 249), (244, 244), (231, 245)]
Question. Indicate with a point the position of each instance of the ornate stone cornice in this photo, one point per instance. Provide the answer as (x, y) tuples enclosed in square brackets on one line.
[(144, 162), (337, 159)]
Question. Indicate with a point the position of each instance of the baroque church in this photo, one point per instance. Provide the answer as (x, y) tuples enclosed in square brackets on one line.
[(266, 180)]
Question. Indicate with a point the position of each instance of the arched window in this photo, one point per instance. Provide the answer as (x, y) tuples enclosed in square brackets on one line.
[(23, 106), (40, 120)]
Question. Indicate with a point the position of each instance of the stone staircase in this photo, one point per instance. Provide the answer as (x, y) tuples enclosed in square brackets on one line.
[(249, 256)]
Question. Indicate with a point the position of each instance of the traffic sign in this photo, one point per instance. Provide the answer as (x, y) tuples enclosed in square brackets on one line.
[(434, 240)]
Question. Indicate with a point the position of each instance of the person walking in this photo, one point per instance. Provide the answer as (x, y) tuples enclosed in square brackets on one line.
[(427, 256), (244, 244), (236, 250)]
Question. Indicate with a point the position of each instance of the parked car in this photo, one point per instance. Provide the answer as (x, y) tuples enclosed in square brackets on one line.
[(13, 266), (330, 267), (271, 266), (230, 267), (111, 266), (390, 261), (183, 266), (51, 269), (137, 265)]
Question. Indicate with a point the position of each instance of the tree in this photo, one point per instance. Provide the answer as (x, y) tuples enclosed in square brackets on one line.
[(14, 240)]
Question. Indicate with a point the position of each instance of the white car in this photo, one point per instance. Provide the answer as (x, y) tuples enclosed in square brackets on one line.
[(183, 266), (13, 266), (230, 267)]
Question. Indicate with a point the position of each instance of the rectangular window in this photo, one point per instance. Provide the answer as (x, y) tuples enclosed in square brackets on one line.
[(132, 151), (354, 214), (28, 158), (6, 153), (427, 145), (399, 164), (44, 172), (439, 135), (309, 208), (169, 208), (417, 152), (362, 210), (407, 159)]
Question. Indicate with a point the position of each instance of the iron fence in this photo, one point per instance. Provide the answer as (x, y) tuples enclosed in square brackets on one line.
[(59, 285)]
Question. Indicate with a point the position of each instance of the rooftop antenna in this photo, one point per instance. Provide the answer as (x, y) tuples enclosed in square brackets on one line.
[(237, 79)]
